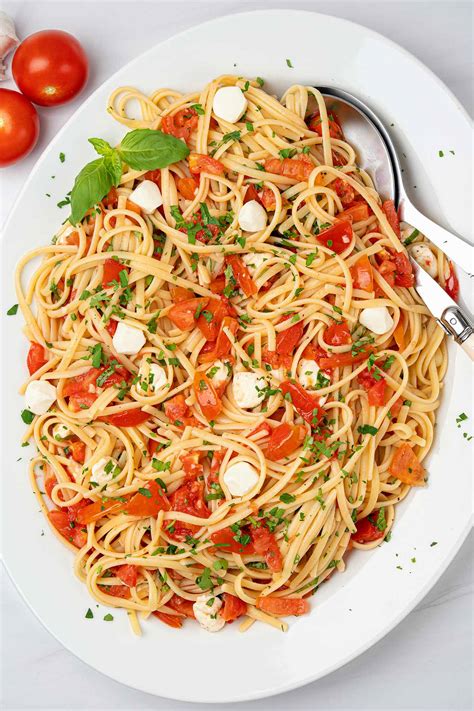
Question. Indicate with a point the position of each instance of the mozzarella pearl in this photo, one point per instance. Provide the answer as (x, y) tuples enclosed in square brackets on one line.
[(252, 217), (255, 260), (229, 103), (206, 614), (103, 471), (128, 340), (308, 373), (377, 319), (248, 389), (240, 478), (156, 377), (424, 256), (219, 376), (147, 195), (39, 396)]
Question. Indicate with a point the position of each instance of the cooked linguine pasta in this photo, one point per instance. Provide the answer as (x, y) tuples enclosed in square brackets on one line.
[(244, 379)]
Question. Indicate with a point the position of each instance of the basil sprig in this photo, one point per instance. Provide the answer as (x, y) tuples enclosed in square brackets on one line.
[(142, 149)]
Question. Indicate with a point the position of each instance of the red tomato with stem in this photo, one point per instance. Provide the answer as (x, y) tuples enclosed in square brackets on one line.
[(19, 127), (50, 67)]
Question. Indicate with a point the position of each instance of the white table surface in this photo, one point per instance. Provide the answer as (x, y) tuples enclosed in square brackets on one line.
[(426, 662)]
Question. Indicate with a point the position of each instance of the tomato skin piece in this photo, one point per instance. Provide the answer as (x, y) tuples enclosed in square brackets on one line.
[(217, 285), (62, 523), (180, 293), (97, 510), (241, 275), (189, 498), (206, 396), (265, 544), (338, 334), (128, 418), (404, 275), (262, 427), (392, 216), (282, 606), (304, 403), (36, 357), (367, 531), (187, 188), (338, 360), (225, 540), (355, 213), (127, 574), (362, 274), (50, 67), (210, 329), (78, 451), (338, 237), (181, 124), (298, 168), (405, 466), (141, 505), (192, 465), (315, 124), (287, 340), (284, 439), (170, 620), (343, 190), (232, 608), (201, 163), (183, 313), (19, 127), (112, 269), (176, 408), (222, 345), (451, 285), (184, 607), (376, 394)]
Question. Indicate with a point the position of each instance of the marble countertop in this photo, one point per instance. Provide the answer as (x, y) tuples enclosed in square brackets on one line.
[(425, 662)]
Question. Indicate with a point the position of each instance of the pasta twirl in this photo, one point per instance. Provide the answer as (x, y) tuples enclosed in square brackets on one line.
[(246, 381)]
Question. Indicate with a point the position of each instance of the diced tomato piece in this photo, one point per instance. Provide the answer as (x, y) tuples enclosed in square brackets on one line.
[(284, 439), (312, 352), (339, 360), (180, 293), (111, 199), (406, 467), (183, 314), (298, 168), (367, 530), (265, 544), (117, 590), (210, 319), (206, 396), (362, 275), (81, 384), (263, 428), (36, 357), (200, 163), (451, 285), (176, 408), (399, 334), (111, 272), (267, 199), (189, 499), (376, 394), (305, 404), (154, 176), (153, 446), (404, 271), (282, 606), (128, 418), (232, 608), (67, 528), (338, 334), (111, 327), (356, 213), (184, 607), (97, 510), (133, 207), (345, 191), (217, 457), (315, 124), (187, 187), (276, 360), (192, 464), (217, 285), (78, 451), (391, 214), (225, 539), (222, 345), (181, 124), (127, 574), (251, 194), (241, 275), (396, 407), (150, 504), (171, 620), (338, 237), (287, 340)]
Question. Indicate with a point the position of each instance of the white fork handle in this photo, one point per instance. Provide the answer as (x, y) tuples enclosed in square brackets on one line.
[(453, 246)]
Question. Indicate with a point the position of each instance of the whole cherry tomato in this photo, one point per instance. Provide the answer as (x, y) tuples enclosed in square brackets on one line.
[(50, 67), (19, 126)]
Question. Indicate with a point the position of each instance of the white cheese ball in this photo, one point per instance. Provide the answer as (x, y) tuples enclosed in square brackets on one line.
[(147, 196), (308, 373), (425, 257), (155, 377), (128, 340), (252, 217), (248, 389), (219, 373), (377, 319), (229, 103), (240, 478), (103, 471), (206, 610), (39, 396)]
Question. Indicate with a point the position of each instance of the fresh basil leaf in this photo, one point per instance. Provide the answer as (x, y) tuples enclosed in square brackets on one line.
[(113, 163), (146, 149), (91, 185), (102, 147)]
